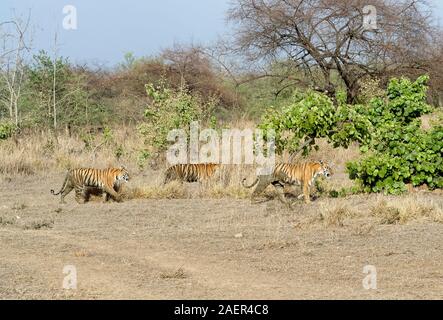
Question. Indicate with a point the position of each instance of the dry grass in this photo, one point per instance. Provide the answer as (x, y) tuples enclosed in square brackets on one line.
[(175, 274), (83, 253), (225, 183), (39, 224), (333, 214), (4, 221), (405, 209), (363, 229), (41, 151), (173, 190), (226, 248)]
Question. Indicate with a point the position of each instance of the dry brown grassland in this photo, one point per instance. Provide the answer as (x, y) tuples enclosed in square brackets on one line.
[(197, 241)]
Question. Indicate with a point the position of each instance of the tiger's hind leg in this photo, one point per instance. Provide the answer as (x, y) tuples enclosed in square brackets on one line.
[(81, 194), (65, 192), (280, 188), (262, 184)]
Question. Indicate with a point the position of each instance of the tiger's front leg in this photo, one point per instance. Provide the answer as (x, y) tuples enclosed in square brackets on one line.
[(306, 192), (111, 193)]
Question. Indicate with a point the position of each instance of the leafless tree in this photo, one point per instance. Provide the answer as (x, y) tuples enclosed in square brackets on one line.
[(12, 62), (326, 40), (54, 82), (196, 69)]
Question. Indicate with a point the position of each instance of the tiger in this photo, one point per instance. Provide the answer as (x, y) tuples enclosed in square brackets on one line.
[(303, 174), (190, 172), (86, 181)]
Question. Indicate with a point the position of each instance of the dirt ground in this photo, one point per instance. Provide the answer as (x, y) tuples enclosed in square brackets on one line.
[(208, 249)]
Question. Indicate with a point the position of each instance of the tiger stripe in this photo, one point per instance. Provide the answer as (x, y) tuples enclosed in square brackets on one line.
[(190, 172), (83, 180), (303, 174)]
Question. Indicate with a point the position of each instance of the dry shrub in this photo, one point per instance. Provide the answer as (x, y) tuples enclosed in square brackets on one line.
[(407, 209), (176, 274), (386, 214), (334, 214), (37, 152), (18, 163)]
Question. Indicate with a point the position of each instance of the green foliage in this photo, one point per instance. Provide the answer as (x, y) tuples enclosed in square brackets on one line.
[(171, 109), (129, 60), (350, 125), (387, 129), (407, 100), (343, 192), (143, 156), (416, 159), (315, 116), (311, 117), (88, 140), (108, 137), (119, 152), (72, 97), (7, 129), (379, 173), (401, 151)]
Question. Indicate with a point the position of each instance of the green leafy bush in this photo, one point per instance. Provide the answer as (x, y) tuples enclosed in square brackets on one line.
[(388, 130), (402, 152), (73, 98), (171, 109), (7, 129), (315, 116)]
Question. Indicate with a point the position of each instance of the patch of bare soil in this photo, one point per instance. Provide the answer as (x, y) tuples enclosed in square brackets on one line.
[(212, 249)]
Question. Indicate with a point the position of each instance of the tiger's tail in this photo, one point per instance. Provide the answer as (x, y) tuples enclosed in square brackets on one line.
[(168, 175), (63, 186), (250, 186)]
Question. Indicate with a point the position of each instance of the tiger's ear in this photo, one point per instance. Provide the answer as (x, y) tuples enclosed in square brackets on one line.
[(123, 167), (321, 161)]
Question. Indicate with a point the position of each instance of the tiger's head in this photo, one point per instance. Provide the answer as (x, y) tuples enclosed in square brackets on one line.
[(325, 169), (122, 175)]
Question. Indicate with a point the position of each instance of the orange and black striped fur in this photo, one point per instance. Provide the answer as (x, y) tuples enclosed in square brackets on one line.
[(302, 174), (86, 181), (191, 172)]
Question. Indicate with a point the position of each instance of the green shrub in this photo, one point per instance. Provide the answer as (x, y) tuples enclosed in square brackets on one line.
[(401, 151), (143, 156), (388, 130), (171, 109), (7, 129)]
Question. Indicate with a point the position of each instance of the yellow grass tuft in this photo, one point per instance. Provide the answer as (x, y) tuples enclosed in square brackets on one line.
[(404, 210), (334, 214)]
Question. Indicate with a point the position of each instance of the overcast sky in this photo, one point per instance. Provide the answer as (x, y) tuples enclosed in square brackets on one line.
[(106, 30)]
